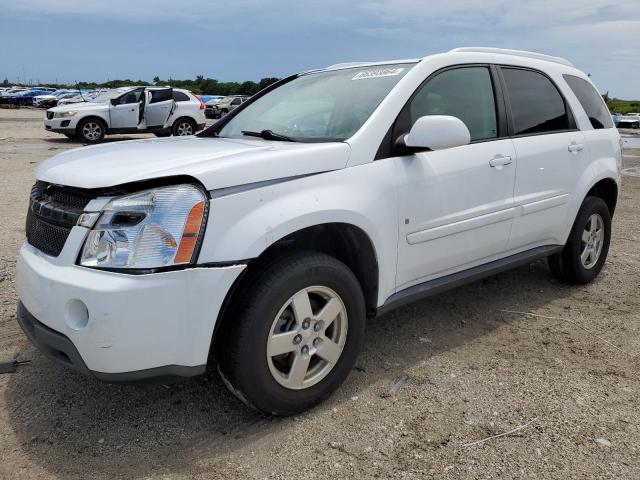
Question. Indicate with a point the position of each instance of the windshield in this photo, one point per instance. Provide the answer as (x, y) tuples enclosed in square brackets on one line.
[(319, 107), (106, 96)]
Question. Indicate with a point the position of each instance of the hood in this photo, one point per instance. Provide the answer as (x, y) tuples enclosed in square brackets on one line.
[(215, 162), (81, 106)]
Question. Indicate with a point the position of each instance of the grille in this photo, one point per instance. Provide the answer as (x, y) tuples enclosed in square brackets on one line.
[(49, 115), (53, 211)]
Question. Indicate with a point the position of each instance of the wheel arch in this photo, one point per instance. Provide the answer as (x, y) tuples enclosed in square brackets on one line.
[(344, 241), (607, 190), (92, 116)]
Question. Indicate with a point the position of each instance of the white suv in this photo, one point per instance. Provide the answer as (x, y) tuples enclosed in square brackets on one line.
[(160, 110), (332, 196)]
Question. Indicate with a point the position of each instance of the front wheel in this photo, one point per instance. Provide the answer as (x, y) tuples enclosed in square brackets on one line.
[(91, 130), (295, 333), (586, 250)]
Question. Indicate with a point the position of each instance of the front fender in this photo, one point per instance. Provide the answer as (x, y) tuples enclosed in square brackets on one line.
[(243, 225)]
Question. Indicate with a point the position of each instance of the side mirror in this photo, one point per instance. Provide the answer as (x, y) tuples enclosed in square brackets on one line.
[(114, 101), (437, 132)]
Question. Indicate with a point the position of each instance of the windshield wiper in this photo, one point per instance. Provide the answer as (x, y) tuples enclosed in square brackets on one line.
[(268, 135)]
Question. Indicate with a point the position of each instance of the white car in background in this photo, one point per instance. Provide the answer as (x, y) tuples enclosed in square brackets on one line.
[(630, 120), (163, 111)]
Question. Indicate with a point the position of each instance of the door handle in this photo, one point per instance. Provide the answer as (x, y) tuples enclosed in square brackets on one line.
[(500, 161), (575, 147)]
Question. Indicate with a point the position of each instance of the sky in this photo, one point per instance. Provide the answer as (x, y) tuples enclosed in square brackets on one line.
[(238, 40)]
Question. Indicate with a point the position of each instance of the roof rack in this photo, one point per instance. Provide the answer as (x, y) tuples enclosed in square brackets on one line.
[(371, 64), (348, 64), (516, 53)]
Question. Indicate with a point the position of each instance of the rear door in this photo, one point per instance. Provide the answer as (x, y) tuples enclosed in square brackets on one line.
[(550, 151), (456, 204), (126, 111), (159, 106)]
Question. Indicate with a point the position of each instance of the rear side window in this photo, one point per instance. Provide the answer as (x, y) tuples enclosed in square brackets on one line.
[(591, 101), (180, 97), (536, 104), (161, 95), (465, 93)]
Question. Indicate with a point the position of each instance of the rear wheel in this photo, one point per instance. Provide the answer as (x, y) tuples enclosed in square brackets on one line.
[(91, 130), (586, 250), (183, 127), (295, 335)]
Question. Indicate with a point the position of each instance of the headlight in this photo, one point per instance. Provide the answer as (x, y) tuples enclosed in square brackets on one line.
[(154, 228), (70, 113)]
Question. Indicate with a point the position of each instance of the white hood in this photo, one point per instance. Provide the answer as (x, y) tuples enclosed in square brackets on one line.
[(216, 162), (81, 106)]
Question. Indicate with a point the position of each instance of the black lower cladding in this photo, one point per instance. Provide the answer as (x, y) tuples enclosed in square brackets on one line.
[(53, 344), (53, 212), (58, 347)]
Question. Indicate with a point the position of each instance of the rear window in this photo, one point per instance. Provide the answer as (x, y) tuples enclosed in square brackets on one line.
[(591, 101), (180, 97), (536, 104)]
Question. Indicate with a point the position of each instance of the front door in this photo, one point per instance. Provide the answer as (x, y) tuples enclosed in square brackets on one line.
[(456, 205), (158, 108), (126, 111)]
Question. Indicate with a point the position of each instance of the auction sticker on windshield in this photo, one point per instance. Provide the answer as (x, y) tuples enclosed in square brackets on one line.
[(377, 73)]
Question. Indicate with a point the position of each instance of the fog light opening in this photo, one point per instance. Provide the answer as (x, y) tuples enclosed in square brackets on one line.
[(76, 314)]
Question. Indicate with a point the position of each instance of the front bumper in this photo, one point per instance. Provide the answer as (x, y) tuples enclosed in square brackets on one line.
[(61, 125), (136, 326)]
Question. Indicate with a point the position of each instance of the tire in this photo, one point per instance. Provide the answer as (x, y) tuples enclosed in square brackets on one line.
[(265, 305), (183, 127), (586, 249), (223, 112), (91, 130)]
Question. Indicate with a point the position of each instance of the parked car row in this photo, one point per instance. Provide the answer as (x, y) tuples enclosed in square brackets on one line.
[(45, 97), (163, 111), (220, 106), (21, 95)]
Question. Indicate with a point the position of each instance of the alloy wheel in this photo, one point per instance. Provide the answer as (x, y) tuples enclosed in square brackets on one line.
[(185, 128), (307, 337), (91, 131), (592, 241)]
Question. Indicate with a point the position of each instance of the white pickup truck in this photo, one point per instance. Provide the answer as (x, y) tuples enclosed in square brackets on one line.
[(161, 110)]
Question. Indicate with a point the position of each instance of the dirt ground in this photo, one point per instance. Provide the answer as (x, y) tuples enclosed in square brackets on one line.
[(433, 378)]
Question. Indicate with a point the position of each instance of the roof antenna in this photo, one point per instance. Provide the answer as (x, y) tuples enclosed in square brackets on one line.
[(80, 91)]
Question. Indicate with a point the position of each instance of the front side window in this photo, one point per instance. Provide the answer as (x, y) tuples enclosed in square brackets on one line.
[(130, 97), (536, 104), (465, 93), (319, 107), (591, 101)]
